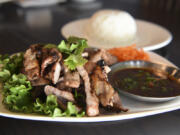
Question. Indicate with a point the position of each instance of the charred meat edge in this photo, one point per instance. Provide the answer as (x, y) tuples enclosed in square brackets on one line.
[(98, 56), (92, 103), (62, 93), (101, 87), (108, 97), (53, 56), (40, 81), (72, 79), (54, 73), (61, 85), (106, 56), (52, 61), (117, 104), (31, 65)]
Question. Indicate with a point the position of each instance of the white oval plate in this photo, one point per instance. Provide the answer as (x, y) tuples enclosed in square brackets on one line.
[(136, 108), (149, 36)]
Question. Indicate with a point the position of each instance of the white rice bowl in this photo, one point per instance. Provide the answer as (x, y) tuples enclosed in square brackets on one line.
[(111, 28)]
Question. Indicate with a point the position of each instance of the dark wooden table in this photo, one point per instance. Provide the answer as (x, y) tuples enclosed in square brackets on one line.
[(21, 27)]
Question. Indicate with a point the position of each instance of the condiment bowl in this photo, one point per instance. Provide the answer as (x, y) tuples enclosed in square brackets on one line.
[(170, 71)]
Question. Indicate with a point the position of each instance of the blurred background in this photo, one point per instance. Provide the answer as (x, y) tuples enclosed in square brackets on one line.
[(29, 21), (23, 22)]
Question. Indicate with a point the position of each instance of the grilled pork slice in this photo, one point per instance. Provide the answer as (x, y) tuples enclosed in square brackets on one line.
[(107, 96), (72, 79), (59, 93), (54, 73), (108, 58), (117, 104), (102, 88), (62, 96), (89, 66), (92, 103), (97, 56), (50, 58), (37, 48), (103, 54), (31, 63), (40, 82), (42, 64), (100, 55), (91, 51), (61, 85), (50, 67), (56, 70)]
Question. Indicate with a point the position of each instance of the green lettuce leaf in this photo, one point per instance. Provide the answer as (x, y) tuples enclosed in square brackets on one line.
[(50, 107), (74, 48), (10, 65), (74, 60), (17, 96), (4, 75), (80, 42), (72, 111), (64, 48)]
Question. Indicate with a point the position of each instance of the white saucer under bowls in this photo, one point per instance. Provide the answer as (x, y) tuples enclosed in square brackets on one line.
[(149, 36)]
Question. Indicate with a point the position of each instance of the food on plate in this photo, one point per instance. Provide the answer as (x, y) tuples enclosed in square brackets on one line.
[(112, 27), (65, 80), (146, 82), (129, 53)]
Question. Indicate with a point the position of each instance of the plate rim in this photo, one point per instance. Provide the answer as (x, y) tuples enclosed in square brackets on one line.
[(105, 118), (146, 48)]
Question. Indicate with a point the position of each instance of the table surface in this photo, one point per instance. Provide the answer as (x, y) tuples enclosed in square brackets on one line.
[(20, 27)]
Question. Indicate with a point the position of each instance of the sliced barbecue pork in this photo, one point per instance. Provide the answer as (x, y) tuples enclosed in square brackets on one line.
[(61, 85), (40, 81), (107, 96), (92, 103), (59, 93), (31, 63), (117, 104), (102, 88), (63, 96), (50, 67), (50, 58), (54, 73), (108, 58), (103, 54), (97, 56), (72, 79), (89, 66), (42, 64), (37, 48)]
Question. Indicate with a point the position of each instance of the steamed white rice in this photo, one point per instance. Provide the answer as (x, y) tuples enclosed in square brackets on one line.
[(112, 27)]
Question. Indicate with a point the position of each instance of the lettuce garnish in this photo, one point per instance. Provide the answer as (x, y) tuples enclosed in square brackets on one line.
[(10, 65), (73, 49), (16, 92), (50, 108)]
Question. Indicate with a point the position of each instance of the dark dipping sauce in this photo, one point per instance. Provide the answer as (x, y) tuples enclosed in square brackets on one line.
[(145, 82)]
